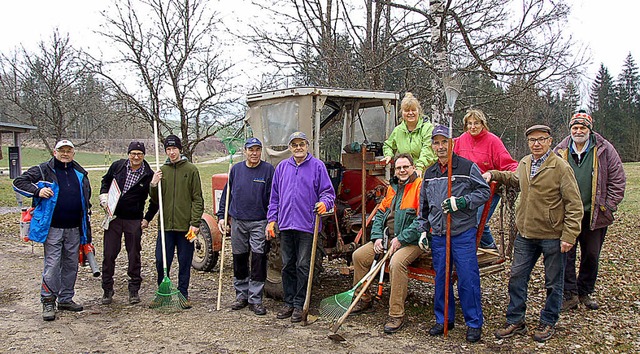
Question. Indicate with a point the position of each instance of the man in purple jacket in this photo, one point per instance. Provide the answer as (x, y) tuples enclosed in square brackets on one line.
[(301, 187), (601, 180)]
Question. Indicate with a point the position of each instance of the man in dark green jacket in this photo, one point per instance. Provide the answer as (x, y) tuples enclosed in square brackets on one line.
[(182, 207)]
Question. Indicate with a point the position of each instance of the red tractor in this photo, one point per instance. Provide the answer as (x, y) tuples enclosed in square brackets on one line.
[(346, 129)]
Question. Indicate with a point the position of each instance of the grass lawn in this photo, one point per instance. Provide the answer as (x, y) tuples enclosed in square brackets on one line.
[(32, 157)]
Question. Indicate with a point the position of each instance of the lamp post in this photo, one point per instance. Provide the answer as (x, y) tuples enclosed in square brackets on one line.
[(452, 87)]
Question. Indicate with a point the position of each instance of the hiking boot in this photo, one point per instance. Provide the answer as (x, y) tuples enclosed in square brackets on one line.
[(544, 332), (285, 312), (393, 324), (296, 315), (70, 306), (258, 309), (239, 304), (510, 329), (185, 305), (361, 306), (134, 298), (48, 308), (588, 302), (474, 334), (570, 303), (438, 329), (107, 297)]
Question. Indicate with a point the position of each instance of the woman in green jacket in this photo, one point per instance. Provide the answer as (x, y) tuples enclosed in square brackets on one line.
[(412, 136)]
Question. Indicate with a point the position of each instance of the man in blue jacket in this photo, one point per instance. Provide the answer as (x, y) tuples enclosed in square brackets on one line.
[(469, 191), (249, 193), (301, 187), (132, 177), (61, 192)]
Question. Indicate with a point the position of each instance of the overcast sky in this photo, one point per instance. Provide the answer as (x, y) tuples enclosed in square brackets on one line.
[(608, 27)]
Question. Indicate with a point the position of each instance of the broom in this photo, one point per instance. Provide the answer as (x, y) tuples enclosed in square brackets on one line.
[(168, 297), (333, 307)]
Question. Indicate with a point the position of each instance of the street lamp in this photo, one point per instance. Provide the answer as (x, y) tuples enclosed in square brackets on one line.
[(452, 88)]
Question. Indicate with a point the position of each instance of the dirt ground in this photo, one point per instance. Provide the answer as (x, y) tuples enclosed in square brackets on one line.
[(124, 328)]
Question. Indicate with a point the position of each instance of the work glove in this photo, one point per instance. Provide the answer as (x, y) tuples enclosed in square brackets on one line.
[(320, 208), (452, 204), (271, 230), (423, 242), (103, 200), (223, 227)]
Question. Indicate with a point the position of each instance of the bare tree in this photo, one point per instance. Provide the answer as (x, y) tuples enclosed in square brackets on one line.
[(53, 89), (412, 45), (179, 76)]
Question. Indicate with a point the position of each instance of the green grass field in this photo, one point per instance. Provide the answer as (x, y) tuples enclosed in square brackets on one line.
[(31, 157)]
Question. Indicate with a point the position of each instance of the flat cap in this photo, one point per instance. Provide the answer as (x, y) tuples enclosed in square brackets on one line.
[(537, 127)]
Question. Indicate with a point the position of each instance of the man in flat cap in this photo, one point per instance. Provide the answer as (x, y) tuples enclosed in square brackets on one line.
[(301, 188), (250, 189), (548, 218), (183, 206), (61, 196), (601, 181), (126, 181)]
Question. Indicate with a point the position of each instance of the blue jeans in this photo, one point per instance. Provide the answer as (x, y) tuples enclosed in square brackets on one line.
[(173, 240), (525, 255), (487, 239), (463, 253), (295, 247)]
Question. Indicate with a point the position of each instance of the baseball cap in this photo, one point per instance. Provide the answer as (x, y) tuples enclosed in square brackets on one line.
[(252, 142), (64, 142), (440, 130), (297, 135), (537, 127)]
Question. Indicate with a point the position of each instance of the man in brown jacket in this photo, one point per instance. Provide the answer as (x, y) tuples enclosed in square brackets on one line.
[(548, 219)]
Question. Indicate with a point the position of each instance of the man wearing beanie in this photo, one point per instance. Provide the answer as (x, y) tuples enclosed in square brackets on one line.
[(601, 181), (128, 180), (61, 196), (182, 211)]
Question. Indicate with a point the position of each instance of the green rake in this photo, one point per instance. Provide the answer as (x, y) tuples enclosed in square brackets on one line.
[(334, 307), (167, 297)]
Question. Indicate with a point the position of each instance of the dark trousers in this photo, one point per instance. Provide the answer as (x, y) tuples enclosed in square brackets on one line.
[(590, 242), (113, 243), (295, 247), (176, 240), (525, 255)]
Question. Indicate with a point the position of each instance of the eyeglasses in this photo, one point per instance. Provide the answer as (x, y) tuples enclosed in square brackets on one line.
[(473, 124), (294, 145), (533, 141), (406, 168), (136, 154), (65, 152)]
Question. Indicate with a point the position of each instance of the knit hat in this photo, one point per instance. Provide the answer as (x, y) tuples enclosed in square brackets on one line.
[(581, 117), (172, 140), (440, 130), (136, 145)]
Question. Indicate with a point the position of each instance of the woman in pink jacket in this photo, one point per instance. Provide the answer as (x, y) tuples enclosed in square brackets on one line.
[(486, 149)]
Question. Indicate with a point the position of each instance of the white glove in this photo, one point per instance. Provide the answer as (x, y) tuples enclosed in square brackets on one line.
[(223, 227), (103, 200), (423, 242)]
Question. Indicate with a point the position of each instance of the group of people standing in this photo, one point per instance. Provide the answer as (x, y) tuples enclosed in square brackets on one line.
[(568, 197)]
